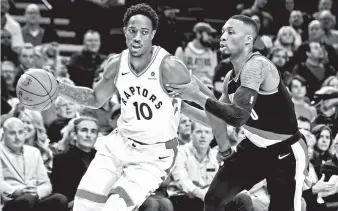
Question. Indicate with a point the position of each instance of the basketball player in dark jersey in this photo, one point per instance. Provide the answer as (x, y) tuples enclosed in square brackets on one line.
[(255, 98)]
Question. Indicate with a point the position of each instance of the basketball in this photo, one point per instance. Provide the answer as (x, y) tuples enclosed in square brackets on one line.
[(37, 89)]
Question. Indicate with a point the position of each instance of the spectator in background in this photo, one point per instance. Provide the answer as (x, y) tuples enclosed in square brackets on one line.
[(265, 17), (169, 28), (304, 126), (70, 166), (328, 109), (298, 92), (322, 5), (83, 65), (263, 43), (279, 57), (288, 39), (12, 26), (329, 22), (8, 72), (32, 32), (196, 166), (222, 68), (321, 149), (313, 70), (65, 110), (316, 34), (40, 59), (184, 130), (26, 185), (36, 136), (296, 21), (330, 170), (7, 52), (198, 55), (26, 60)]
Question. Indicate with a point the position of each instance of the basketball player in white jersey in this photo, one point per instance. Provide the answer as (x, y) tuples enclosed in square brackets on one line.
[(136, 158)]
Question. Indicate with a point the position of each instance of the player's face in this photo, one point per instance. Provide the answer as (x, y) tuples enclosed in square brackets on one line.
[(86, 135), (184, 127), (139, 34), (279, 58), (27, 57), (29, 127), (14, 136), (323, 142), (298, 90), (233, 37), (201, 136), (67, 109)]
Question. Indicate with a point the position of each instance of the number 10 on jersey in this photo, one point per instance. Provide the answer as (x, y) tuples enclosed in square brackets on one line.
[(143, 111)]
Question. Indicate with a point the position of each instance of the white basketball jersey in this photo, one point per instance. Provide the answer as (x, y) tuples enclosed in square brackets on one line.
[(148, 114)]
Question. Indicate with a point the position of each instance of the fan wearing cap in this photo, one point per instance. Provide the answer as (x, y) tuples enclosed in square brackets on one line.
[(197, 55)]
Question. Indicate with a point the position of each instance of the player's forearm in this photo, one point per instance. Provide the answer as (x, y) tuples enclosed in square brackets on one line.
[(80, 95), (195, 114), (230, 113), (219, 127)]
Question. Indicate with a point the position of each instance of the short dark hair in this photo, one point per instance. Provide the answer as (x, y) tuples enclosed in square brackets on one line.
[(300, 79), (247, 21), (304, 119), (141, 9)]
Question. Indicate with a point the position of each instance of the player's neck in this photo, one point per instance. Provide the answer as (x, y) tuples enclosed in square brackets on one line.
[(139, 63), (238, 61)]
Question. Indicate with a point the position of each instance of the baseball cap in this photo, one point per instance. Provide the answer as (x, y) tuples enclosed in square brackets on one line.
[(202, 26)]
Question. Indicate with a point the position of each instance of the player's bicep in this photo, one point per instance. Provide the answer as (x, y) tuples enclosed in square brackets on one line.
[(105, 88), (253, 74)]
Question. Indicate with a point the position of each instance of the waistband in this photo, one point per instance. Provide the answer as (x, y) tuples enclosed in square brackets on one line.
[(171, 144), (290, 141)]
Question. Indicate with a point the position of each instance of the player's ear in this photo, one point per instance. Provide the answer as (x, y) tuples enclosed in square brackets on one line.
[(153, 34), (125, 31), (249, 39)]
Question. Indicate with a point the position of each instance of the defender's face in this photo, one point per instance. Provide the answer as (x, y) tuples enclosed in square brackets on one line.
[(233, 37), (139, 34)]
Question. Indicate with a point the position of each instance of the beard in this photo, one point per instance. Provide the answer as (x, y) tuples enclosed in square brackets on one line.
[(206, 44)]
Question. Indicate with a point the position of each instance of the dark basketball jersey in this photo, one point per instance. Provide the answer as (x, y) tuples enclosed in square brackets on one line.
[(273, 117)]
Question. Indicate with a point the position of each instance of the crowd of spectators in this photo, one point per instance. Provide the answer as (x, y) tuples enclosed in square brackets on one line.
[(44, 154)]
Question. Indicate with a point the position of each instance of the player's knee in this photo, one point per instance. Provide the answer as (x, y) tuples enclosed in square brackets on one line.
[(151, 204), (119, 200)]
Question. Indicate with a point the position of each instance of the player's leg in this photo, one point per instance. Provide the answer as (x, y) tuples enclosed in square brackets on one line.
[(139, 179), (239, 172), (101, 175), (286, 177)]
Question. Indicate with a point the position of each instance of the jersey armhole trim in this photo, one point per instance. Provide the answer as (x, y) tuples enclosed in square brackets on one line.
[(118, 68), (160, 70)]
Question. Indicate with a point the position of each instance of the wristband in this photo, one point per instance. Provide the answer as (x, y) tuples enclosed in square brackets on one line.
[(226, 153)]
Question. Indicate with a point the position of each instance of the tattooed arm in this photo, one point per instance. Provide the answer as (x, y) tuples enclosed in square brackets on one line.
[(257, 73), (93, 98)]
